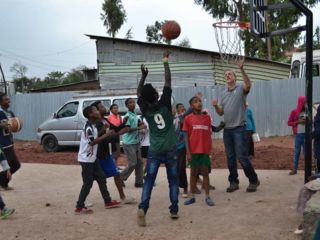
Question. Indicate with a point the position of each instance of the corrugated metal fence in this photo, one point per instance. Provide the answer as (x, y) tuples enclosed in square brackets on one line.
[(270, 101)]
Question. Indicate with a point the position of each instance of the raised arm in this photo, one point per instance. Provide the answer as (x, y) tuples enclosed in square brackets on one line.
[(246, 79), (144, 74), (167, 72)]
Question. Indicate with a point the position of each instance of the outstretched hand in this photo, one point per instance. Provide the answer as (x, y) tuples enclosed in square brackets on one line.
[(241, 63), (144, 70)]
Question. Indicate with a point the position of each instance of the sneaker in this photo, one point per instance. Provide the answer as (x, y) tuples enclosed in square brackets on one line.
[(190, 201), (233, 187), (83, 210), (209, 201), (128, 200), (253, 186), (174, 215), (6, 188), (141, 218), (299, 230), (138, 185), (6, 212), (87, 205), (112, 204), (293, 172)]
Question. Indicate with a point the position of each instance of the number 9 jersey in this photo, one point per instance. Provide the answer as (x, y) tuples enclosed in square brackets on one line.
[(159, 117)]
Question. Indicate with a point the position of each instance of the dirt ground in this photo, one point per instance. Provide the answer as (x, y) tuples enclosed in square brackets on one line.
[(271, 153), (45, 195)]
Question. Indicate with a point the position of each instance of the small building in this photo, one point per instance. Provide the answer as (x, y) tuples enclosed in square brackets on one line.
[(119, 63)]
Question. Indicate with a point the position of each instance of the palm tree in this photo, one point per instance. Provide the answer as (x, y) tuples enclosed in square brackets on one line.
[(113, 16)]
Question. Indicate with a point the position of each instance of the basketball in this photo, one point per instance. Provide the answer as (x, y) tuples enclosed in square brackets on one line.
[(15, 124), (171, 30)]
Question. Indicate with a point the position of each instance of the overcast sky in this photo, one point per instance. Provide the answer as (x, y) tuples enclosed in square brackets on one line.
[(48, 35)]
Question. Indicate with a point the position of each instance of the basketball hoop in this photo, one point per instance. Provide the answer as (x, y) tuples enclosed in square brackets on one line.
[(229, 37)]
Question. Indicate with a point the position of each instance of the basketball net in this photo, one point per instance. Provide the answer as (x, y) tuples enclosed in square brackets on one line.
[(229, 37)]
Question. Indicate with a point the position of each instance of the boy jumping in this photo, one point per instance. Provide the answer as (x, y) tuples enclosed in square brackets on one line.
[(162, 140)]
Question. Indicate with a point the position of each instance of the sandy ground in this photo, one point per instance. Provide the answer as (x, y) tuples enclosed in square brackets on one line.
[(271, 153), (267, 214)]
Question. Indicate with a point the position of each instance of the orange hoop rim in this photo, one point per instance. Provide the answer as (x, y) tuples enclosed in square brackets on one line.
[(232, 24)]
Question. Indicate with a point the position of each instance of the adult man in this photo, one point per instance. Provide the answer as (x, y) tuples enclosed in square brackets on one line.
[(6, 141), (233, 107)]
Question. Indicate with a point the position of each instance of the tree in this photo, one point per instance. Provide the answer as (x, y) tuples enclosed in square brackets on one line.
[(154, 33), (280, 19), (129, 34), (113, 16), (184, 43), (19, 70)]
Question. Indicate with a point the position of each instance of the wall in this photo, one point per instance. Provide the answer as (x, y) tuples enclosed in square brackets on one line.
[(271, 102)]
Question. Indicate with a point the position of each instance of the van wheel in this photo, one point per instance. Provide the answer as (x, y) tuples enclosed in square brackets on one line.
[(50, 143)]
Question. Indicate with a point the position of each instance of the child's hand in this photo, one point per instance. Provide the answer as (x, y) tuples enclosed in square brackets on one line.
[(125, 119), (9, 175)]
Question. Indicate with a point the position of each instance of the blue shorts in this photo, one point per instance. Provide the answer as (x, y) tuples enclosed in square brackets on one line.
[(109, 167)]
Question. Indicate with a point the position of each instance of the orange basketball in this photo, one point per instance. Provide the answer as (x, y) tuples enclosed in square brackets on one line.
[(15, 124), (171, 30)]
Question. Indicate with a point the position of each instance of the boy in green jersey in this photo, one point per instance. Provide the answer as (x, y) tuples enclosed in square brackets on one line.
[(163, 140)]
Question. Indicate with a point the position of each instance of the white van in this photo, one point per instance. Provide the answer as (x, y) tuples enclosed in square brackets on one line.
[(298, 64), (64, 127)]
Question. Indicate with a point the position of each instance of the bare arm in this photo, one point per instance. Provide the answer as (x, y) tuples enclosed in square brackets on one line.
[(187, 147), (144, 74), (218, 109), (167, 72), (110, 133), (246, 79)]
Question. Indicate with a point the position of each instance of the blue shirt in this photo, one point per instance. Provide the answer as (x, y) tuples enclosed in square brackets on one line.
[(132, 122), (6, 137), (250, 125)]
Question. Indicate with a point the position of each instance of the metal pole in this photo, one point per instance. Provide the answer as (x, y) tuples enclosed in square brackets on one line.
[(4, 81), (309, 83)]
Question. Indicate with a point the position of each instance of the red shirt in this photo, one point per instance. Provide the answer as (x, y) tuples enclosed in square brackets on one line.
[(198, 128), (115, 119)]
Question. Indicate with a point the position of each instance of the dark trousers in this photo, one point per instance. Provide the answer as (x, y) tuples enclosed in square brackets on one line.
[(2, 205), (91, 172), (13, 163), (316, 149), (236, 148), (169, 159), (250, 143), (182, 173)]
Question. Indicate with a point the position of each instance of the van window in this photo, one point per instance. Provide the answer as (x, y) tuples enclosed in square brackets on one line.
[(106, 103), (68, 110), (315, 70), (122, 106), (295, 70)]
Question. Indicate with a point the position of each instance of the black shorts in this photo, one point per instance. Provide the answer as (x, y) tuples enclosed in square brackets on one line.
[(144, 151)]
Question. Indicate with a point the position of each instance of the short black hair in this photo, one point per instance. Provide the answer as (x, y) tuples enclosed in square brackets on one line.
[(113, 105), (2, 95), (95, 104), (87, 111), (178, 105), (192, 99), (127, 101), (149, 93)]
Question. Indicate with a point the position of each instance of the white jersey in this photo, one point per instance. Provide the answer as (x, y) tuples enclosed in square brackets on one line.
[(145, 134), (88, 153)]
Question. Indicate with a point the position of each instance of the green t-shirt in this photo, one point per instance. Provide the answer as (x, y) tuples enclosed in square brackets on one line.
[(131, 137), (159, 117)]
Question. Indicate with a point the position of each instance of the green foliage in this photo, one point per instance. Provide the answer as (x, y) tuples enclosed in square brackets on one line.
[(154, 33), (280, 19), (113, 16)]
